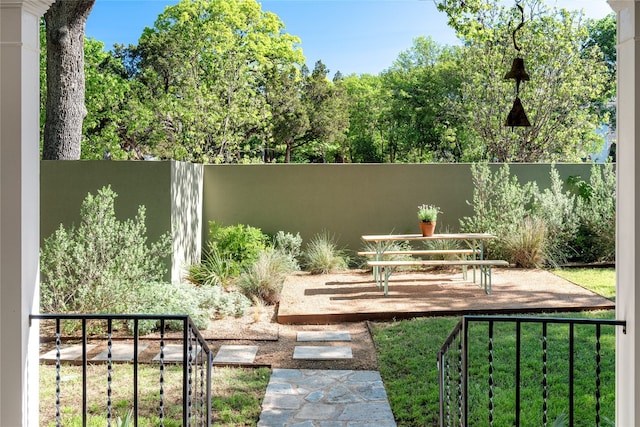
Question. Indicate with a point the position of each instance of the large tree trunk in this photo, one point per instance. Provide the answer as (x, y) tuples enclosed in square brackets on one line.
[(65, 23)]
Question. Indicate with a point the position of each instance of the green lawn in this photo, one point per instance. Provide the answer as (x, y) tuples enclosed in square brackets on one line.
[(407, 355), (599, 280), (237, 394)]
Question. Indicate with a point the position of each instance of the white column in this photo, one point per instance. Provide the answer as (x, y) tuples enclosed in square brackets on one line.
[(628, 235), (19, 208)]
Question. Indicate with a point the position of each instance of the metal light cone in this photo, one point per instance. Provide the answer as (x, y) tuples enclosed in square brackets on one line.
[(517, 116)]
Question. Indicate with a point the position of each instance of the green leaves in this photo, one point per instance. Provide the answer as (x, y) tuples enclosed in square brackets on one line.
[(568, 77), (208, 61), (95, 266)]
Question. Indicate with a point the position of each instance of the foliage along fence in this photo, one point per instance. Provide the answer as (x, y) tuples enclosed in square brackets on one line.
[(345, 200)]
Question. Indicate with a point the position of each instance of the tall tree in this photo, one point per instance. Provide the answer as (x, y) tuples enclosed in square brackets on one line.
[(365, 136), (65, 110), (205, 64), (108, 95), (567, 78), (326, 105), (424, 84), (289, 117), (602, 33)]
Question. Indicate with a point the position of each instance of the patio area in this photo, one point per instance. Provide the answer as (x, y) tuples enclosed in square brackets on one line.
[(353, 296)]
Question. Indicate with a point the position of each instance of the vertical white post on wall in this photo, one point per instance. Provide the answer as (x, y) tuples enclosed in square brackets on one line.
[(628, 235), (19, 208)]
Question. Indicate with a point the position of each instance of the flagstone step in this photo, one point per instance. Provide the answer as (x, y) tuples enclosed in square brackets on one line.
[(123, 352), (67, 352), (120, 352), (236, 354), (307, 336), (322, 352)]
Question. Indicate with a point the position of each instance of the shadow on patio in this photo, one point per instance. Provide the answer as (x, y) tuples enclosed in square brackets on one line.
[(353, 296)]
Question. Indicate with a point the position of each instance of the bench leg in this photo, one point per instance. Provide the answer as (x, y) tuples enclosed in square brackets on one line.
[(485, 278), (387, 273)]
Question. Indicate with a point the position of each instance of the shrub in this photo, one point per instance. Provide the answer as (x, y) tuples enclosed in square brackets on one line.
[(578, 227), (557, 209), (322, 255), (526, 247), (500, 204), (213, 270), (200, 303), (596, 207), (240, 243), (289, 245), (97, 266), (264, 279)]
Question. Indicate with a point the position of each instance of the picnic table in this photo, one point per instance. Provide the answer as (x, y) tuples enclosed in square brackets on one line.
[(471, 256)]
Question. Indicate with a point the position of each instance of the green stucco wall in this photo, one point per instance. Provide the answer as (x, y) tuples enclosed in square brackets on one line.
[(349, 200), (346, 200), (65, 184)]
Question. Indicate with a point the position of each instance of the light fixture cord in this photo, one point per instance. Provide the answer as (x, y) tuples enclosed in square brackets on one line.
[(519, 26)]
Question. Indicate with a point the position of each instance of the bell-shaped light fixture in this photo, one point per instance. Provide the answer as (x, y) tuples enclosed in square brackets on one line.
[(517, 116), (517, 72)]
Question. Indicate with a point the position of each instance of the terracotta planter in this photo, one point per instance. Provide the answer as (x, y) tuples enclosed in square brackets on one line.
[(427, 228)]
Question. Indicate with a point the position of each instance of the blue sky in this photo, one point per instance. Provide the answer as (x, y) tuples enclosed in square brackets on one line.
[(352, 36)]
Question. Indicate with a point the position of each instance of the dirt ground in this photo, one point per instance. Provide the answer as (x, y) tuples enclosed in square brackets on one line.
[(276, 342), (438, 292)]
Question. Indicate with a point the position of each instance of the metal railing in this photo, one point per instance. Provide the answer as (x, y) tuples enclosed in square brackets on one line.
[(196, 363), (477, 370)]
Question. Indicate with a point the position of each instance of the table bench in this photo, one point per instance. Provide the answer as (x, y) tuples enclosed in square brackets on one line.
[(421, 252), (471, 257), (484, 266)]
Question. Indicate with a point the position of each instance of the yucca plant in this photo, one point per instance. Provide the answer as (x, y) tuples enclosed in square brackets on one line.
[(214, 269)]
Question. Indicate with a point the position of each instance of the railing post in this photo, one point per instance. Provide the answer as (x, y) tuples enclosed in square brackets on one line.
[(465, 371), (518, 357)]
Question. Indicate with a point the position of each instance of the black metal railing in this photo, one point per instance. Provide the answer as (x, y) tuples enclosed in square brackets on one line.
[(481, 368), (196, 363)]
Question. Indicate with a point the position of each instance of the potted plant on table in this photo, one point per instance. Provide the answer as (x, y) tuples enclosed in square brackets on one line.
[(428, 214)]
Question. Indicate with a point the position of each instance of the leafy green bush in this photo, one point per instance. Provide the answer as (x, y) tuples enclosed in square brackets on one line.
[(557, 209), (200, 303), (322, 255), (97, 266), (264, 279), (240, 243), (577, 227), (500, 203), (596, 208)]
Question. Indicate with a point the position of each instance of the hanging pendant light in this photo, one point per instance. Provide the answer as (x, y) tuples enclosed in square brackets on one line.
[(517, 116), (517, 71)]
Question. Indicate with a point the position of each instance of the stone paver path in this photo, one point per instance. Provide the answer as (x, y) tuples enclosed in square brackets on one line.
[(324, 352), (310, 398)]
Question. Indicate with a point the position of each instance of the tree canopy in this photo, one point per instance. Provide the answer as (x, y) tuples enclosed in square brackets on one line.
[(567, 78), (221, 81)]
